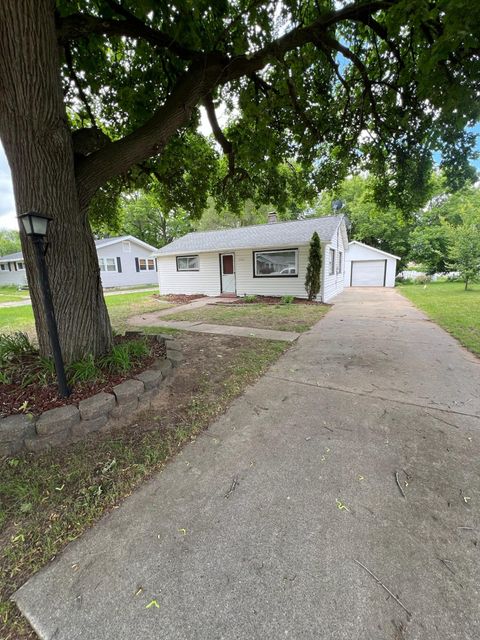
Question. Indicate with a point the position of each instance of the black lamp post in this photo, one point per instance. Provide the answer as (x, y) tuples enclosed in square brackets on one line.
[(36, 226)]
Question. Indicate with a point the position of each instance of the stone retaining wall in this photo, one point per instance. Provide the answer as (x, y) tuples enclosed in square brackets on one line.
[(101, 412)]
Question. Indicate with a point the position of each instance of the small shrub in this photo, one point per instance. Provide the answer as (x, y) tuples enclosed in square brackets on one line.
[(250, 298), (423, 279), (287, 299), (36, 370), (84, 370)]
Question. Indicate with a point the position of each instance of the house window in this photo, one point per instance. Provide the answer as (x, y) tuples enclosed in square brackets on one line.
[(274, 264), (332, 262), (126, 246), (146, 264), (107, 264), (20, 266), (188, 263), (3, 267), (340, 262)]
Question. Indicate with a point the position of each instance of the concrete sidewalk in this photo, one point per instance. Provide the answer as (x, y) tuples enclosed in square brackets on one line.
[(254, 533), (229, 330), (152, 318)]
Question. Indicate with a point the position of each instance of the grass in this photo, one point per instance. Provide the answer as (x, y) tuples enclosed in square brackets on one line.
[(453, 308), (50, 499), (120, 307), (10, 293), (282, 317)]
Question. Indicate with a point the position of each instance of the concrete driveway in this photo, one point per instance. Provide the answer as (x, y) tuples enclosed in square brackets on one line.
[(255, 530)]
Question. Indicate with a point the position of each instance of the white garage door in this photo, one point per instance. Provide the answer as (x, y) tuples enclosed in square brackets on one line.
[(368, 273)]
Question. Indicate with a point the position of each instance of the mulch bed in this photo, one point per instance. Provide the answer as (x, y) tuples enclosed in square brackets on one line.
[(269, 300), (36, 398), (180, 298)]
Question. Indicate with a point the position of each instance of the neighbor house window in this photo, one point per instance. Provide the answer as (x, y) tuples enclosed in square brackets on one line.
[(3, 267), (332, 261), (146, 264), (107, 264), (20, 266), (280, 263), (188, 263), (126, 246), (340, 262)]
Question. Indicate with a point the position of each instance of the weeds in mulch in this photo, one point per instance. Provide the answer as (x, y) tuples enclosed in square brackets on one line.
[(49, 499)]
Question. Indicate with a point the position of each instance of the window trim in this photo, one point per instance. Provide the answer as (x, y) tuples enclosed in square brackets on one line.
[(147, 266), (102, 258), (188, 256), (274, 275), (20, 268), (340, 263), (332, 256)]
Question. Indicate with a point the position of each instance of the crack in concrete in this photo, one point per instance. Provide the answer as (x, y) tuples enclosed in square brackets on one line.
[(368, 394)]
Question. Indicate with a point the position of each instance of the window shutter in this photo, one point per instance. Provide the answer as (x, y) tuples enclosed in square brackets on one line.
[(9, 266), (137, 266), (15, 266), (156, 264), (119, 265)]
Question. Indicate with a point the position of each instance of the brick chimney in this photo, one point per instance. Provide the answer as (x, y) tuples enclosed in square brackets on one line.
[(272, 217)]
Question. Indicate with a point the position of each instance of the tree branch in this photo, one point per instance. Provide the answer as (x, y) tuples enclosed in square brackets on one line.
[(76, 81), (81, 25), (205, 73), (226, 145)]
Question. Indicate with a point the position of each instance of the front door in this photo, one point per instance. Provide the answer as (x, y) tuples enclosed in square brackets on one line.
[(227, 269)]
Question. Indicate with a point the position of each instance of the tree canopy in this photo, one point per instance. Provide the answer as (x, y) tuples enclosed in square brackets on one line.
[(380, 83)]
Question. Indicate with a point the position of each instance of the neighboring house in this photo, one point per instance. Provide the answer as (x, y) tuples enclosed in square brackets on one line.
[(369, 267), (124, 261), (12, 269), (266, 259)]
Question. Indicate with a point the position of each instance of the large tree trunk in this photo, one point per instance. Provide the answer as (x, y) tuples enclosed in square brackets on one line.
[(38, 144)]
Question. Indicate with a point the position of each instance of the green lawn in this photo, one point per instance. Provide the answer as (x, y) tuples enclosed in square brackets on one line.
[(10, 293), (120, 307), (453, 308), (282, 317)]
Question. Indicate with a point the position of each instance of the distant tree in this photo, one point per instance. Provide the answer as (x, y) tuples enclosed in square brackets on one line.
[(465, 252), (384, 227), (9, 242), (314, 267), (143, 217)]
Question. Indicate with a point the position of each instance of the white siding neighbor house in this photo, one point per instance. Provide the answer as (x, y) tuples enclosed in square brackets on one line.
[(124, 261), (266, 259), (369, 267)]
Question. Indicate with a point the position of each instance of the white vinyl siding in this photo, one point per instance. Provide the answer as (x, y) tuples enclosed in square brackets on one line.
[(332, 281), (205, 280), (128, 276)]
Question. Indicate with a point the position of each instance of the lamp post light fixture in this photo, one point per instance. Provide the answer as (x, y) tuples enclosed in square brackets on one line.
[(36, 226)]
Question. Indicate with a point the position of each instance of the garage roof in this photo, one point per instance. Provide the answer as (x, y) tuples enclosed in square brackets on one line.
[(367, 246), (277, 234)]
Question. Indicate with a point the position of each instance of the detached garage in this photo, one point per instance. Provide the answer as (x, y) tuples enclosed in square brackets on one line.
[(369, 267)]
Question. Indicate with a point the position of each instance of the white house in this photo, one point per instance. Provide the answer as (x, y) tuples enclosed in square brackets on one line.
[(369, 267), (266, 259), (124, 261)]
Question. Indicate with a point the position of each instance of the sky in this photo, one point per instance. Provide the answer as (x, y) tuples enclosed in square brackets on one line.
[(8, 218)]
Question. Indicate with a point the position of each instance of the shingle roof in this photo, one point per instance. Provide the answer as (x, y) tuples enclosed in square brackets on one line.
[(98, 244), (278, 234), (12, 257)]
